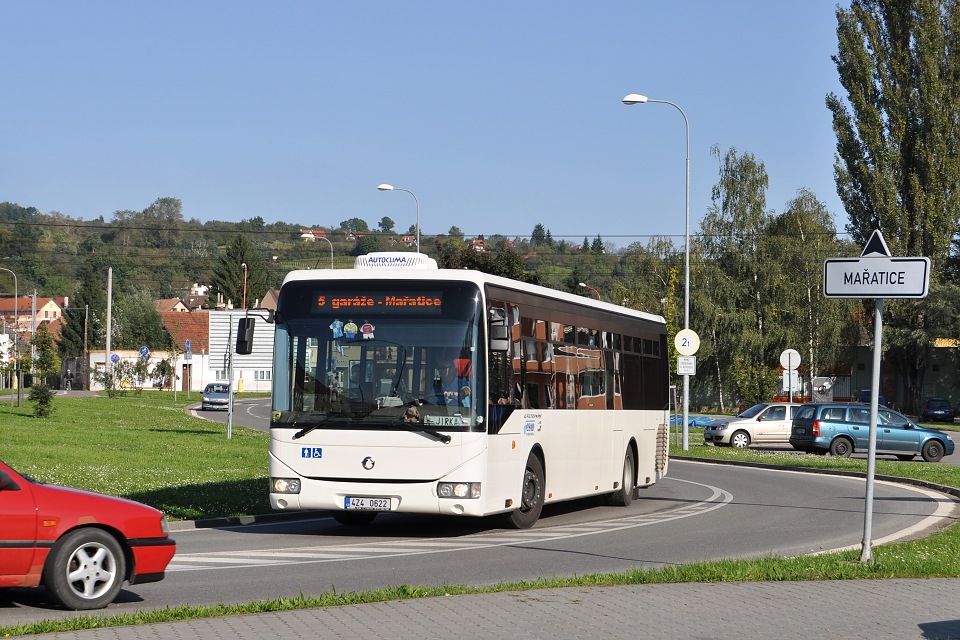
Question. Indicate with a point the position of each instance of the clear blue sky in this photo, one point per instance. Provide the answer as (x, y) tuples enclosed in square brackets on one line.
[(498, 115)]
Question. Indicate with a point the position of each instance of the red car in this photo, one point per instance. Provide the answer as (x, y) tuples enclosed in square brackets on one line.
[(80, 545)]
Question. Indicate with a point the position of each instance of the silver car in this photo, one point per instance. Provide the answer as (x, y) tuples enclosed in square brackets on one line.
[(216, 395), (765, 423)]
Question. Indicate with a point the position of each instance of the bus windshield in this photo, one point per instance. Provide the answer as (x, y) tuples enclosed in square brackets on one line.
[(378, 354)]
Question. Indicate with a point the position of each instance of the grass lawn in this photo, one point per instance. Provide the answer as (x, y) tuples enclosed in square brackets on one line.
[(145, 448)]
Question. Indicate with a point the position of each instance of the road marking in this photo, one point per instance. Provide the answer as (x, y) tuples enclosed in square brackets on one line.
[(395, 548)]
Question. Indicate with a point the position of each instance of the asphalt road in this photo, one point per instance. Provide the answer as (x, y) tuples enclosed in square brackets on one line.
[(701, 511)]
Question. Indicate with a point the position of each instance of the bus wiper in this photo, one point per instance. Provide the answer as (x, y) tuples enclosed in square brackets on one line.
[(299, 434), (442, 437)]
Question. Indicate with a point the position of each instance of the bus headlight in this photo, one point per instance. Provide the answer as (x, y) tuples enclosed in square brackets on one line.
[(285, 485), (469, 490)]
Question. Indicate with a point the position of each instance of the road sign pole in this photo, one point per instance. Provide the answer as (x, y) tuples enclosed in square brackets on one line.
[(866, 551)]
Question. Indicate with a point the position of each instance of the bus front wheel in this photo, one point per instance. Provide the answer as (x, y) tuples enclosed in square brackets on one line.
[(531, 495)]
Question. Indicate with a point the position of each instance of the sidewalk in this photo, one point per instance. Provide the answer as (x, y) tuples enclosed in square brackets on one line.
[(868, 609)]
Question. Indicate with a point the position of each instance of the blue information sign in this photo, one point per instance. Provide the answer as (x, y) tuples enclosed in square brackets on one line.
[(187, 345)]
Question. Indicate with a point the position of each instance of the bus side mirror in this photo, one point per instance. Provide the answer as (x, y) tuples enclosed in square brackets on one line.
[(498, 337), (245, 336)]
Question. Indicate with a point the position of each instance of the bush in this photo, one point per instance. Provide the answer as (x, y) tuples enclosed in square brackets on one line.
[(42, 394)]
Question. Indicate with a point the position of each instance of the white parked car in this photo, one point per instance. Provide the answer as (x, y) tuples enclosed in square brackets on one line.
[(765, 423)]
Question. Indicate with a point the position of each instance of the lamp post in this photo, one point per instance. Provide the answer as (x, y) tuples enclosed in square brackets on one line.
[(586, 286), (635, 98), (390, 187), (327, 240), (243, 265), (16, 324)]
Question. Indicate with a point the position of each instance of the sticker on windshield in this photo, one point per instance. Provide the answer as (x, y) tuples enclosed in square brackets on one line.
[(337, 327)]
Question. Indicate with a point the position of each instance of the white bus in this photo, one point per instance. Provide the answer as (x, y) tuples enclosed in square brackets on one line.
[(401, 387)]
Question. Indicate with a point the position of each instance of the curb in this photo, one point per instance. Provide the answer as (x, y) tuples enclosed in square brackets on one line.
[(942, 488), (239, 521)]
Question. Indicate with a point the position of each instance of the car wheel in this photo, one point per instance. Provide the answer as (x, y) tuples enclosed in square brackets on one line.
[(905, 457), (354, 518), (932, 451), (531, 496), (624, 495), (85, 570), (841, 448), (740, 440)]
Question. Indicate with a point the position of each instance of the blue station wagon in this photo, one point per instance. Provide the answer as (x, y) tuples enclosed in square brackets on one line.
[(844, 428)]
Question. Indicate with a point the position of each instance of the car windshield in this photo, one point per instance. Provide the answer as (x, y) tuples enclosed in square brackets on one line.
[(217, 388), (938, 404), (753, 411)]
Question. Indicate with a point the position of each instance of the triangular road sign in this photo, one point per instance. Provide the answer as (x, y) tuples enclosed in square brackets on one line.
[(876, 246)]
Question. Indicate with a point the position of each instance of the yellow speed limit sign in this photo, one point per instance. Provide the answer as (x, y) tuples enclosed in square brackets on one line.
[(687, 342)]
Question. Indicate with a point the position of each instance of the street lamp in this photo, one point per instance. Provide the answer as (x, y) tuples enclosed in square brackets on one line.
[(390, 187), (16, 324), (635, 98), (586, 286), (327, 240), (243, 265)]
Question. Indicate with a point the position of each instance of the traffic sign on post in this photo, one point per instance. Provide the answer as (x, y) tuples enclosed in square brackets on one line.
[(875, 274), (186, 345), (687, 342), (878, 275)]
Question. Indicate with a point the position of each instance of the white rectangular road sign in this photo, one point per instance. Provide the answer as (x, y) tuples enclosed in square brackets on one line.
[(876, 277), (686, 365)]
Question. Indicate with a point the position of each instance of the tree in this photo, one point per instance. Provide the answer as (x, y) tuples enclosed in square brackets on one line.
[(164, 221), (355, 225), (597, 246), (137, 322), (823, 330), (386, 224), (367, 244), (46, 364), (538, 236), (897, 166), (455, 233), (90, 291), (227, 276), (734, 295)]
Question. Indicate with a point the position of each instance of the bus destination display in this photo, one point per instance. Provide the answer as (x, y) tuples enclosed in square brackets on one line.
[(379, 302)]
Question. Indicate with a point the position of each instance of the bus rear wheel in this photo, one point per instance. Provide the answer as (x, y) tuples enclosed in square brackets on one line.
[(623, 496), (531, 496)]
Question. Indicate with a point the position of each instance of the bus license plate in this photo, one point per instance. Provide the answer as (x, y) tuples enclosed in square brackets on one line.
[(366, 504)]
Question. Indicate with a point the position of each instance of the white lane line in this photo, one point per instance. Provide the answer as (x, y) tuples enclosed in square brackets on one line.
[(945, 510)]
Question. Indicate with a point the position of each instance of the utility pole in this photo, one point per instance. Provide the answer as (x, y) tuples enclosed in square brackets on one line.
[(33, 333), (108, 364), (86, 353)]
